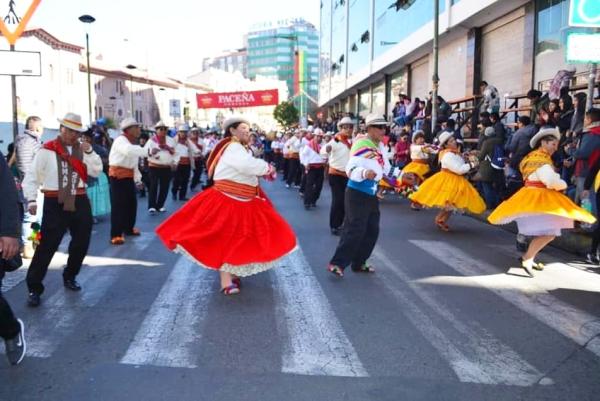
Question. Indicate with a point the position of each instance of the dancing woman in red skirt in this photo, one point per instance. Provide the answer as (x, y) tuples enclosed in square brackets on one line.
[(231, 227)]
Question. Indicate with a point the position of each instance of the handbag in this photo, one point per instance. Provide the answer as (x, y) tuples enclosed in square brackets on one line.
[(11, 265)]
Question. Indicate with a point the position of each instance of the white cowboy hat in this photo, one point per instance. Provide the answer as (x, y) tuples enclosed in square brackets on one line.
[(161, 124), (376, 120), (72, 121), (345, 121), (444, 136), (544, 132), (128, 123), (233, 120), (183, 128)]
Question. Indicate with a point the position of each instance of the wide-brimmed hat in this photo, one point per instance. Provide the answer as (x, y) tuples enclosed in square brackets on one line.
[(128, 123), (183, 128), (544, 132), (345, 121), (376, 120), (72, 121), (444, 136), (161, 124), (233, 120)]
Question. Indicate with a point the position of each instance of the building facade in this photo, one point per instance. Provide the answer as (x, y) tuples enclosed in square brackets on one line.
[(230, 61), (371, 52), (116, 92), (287, 50)]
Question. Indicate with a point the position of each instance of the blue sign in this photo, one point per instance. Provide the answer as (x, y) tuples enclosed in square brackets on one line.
[(585, 13)]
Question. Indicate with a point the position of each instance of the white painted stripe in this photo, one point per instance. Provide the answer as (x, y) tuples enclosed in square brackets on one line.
[(477, 356), (317, 344), (524, 293), (62, 312), (172, 326)]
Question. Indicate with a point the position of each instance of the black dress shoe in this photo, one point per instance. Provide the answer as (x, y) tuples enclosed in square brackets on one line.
[(72, 285), (33, 300)]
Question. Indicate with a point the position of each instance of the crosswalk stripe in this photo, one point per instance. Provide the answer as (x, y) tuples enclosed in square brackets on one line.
[(61, 313), (524, 293), (317, 344), (477, 356), (171, 328)]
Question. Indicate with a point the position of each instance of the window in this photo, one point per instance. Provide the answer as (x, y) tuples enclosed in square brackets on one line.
[(393, 26)]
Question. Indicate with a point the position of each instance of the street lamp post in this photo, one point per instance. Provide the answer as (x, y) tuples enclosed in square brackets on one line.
[(88, 19), (131, 67)]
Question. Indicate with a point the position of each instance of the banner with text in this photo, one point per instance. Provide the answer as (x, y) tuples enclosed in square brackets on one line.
[(229, 100)]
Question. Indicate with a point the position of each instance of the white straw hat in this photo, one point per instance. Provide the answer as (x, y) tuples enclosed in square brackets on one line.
[(72, 121), (544, 132)]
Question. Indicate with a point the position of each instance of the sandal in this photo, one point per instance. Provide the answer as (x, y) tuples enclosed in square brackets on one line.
[(135, 232), (442, 226), (230, 290), (338, 271), (117, 240), (365, 268)]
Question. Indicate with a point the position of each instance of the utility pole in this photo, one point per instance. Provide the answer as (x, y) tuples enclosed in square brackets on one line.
[(435, 78), (13, 87)]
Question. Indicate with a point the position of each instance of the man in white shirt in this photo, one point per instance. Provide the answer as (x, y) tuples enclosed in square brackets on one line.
[(294, 173), (338, 150), (124, 177), (183, 158), (61, 169), (160, 164), (314, 169)]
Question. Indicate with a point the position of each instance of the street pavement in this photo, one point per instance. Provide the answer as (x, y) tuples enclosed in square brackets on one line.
[(439, 320)]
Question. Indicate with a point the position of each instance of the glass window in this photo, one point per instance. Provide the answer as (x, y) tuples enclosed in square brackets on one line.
[(551, 35), (338, 46), (392, 26), (398, 85), (359, 35), (364, 102), (378, 101)]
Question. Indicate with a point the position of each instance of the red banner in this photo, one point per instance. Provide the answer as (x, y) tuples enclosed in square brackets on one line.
[(228, 100)]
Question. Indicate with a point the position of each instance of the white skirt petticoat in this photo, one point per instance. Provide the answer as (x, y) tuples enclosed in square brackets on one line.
[(544, 224)]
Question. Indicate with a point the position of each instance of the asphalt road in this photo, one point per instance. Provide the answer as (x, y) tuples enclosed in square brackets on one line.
[(439, 320)]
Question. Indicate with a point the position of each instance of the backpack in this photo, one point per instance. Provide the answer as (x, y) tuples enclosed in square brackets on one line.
[(498, 157)]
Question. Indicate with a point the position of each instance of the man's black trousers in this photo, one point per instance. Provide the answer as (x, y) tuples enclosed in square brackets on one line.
[(361, 229), (197, 173), (338, 189), (314, 184), (181, 180), (160, 177), (9, 327), (294, 172), (55, 223), (123, 206)]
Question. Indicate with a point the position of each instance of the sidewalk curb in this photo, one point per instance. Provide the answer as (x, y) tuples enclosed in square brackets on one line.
[(570, 241)]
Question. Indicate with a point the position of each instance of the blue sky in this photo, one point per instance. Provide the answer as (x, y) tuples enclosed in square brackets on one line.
[(166, 36)]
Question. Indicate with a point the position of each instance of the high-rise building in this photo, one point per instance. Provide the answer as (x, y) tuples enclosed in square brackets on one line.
[(230, 61), (287, 50), (371, 51)]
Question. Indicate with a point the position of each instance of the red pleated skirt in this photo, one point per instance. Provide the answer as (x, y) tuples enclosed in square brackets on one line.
[(222, 233)]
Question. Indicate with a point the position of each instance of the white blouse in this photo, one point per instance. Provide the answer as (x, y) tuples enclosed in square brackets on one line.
[(550, 178), (237, 164), (455, 163)]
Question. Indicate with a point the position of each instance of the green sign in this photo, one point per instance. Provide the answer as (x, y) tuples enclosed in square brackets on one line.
[(585, 13), (583, 47)]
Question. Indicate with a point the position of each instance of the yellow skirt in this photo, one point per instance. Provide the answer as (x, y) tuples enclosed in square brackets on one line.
[(418, 169), (533, 201), (448, 190)]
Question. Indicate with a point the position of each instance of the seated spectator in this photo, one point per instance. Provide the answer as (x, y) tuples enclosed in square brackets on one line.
[(402, 151), (537, 101), (499, 129)]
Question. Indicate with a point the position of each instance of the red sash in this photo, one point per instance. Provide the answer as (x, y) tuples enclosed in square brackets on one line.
[(343, 139), (215, 155), (76, 164)]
